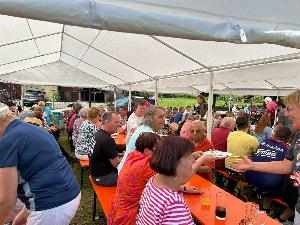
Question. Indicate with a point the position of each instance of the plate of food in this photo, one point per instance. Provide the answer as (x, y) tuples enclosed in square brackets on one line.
[(218, 154)]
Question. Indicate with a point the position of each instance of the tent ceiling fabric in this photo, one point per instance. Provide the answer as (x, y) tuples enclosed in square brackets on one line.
[(61, 74), (256, 21), (39, 52)]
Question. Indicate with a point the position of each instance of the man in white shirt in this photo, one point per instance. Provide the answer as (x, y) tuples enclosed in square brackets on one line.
[(135, 119)]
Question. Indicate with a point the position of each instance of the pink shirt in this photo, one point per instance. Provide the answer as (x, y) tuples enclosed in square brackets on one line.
[(162, 206)]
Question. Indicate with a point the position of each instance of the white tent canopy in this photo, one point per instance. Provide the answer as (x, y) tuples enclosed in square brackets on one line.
[(39, 52)]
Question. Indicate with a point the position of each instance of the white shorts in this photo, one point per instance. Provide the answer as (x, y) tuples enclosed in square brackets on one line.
[(61, 215)]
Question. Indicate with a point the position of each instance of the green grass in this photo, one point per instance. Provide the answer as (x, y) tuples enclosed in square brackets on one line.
[(85, 211), (177, 102), (181, 101)]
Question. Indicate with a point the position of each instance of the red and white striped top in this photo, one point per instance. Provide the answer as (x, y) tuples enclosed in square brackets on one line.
[(162, 206)]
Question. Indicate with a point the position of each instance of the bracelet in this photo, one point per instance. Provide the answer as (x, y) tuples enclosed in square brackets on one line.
[(184, 188)]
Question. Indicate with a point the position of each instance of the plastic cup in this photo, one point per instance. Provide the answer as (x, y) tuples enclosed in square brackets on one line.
[(206, 198)]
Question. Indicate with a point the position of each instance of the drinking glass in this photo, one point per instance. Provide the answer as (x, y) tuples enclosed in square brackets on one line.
[(206, 198), (221, 205)]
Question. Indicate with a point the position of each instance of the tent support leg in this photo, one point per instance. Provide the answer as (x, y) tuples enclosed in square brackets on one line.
[(210, 103)]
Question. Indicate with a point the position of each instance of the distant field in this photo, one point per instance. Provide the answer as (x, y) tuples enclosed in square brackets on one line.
[(180, 101), (176, 102)]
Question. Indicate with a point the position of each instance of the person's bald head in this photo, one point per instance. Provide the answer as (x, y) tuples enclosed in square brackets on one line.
[(41, 103), (196, 130), (228, 122)]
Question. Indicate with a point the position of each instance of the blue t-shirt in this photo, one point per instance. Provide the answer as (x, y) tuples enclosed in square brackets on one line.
[(267, 133), (131, 145), (45, 179), (269, 150), (178, 117), (48, 115)]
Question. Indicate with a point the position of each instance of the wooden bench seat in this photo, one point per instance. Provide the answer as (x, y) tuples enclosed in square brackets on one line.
[(105, 196)]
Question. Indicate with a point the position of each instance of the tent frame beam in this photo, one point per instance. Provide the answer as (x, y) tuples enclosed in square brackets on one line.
[(108, 55), (30, 39), (94, 67), (178, 51)]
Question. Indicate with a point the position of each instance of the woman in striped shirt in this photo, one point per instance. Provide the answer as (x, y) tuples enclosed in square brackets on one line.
[(162, 201)]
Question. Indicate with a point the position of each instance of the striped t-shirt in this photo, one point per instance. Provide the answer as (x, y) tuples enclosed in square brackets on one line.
[(162, 206)]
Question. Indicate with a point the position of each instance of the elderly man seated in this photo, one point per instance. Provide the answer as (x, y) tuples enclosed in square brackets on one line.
[(202, 144)]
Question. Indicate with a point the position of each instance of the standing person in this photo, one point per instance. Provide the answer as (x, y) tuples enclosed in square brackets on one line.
[(33, 169), (104, 158), (154, 120), (263, 130), (271, 108), (135, 119), (202, 106), (48, 115), (292, 162)]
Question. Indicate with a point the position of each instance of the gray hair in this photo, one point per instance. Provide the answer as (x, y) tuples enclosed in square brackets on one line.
[(107, 116), (83, 112), (5, 116), (149, 114)]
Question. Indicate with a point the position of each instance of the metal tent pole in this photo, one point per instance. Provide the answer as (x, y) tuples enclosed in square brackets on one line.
[(156, 92), (22, 97), (210, 103), (129, 99), (115, 98), (90, 97)]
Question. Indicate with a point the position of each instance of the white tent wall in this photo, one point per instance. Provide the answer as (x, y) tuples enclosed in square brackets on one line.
[(110, 58), (269, 21)]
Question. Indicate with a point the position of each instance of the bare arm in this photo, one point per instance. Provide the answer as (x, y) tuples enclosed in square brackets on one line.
[(276, 167), (205, 158), (8, 191)]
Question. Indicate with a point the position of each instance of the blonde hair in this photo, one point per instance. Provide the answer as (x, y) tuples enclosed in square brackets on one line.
[(293, 98), (93, 112)]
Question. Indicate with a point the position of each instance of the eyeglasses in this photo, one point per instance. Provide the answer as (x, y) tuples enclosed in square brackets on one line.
[(289, 109)]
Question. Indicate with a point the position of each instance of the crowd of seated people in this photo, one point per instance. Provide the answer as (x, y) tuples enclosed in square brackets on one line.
[(146, 172)]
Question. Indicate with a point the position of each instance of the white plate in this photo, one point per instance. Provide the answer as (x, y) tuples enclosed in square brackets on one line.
[(218, 154)]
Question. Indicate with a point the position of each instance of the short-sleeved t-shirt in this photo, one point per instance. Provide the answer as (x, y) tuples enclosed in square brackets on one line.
[(239, 143), (269, 150), (134, 121), (45, 178), (104, 150), (48, 115)]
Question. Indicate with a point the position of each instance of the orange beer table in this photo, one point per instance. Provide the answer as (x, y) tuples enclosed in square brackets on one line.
[(120, 140), (235, 208)]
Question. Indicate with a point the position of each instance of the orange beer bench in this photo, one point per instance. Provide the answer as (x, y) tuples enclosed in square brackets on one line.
[(84, 165), (105, 196)]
